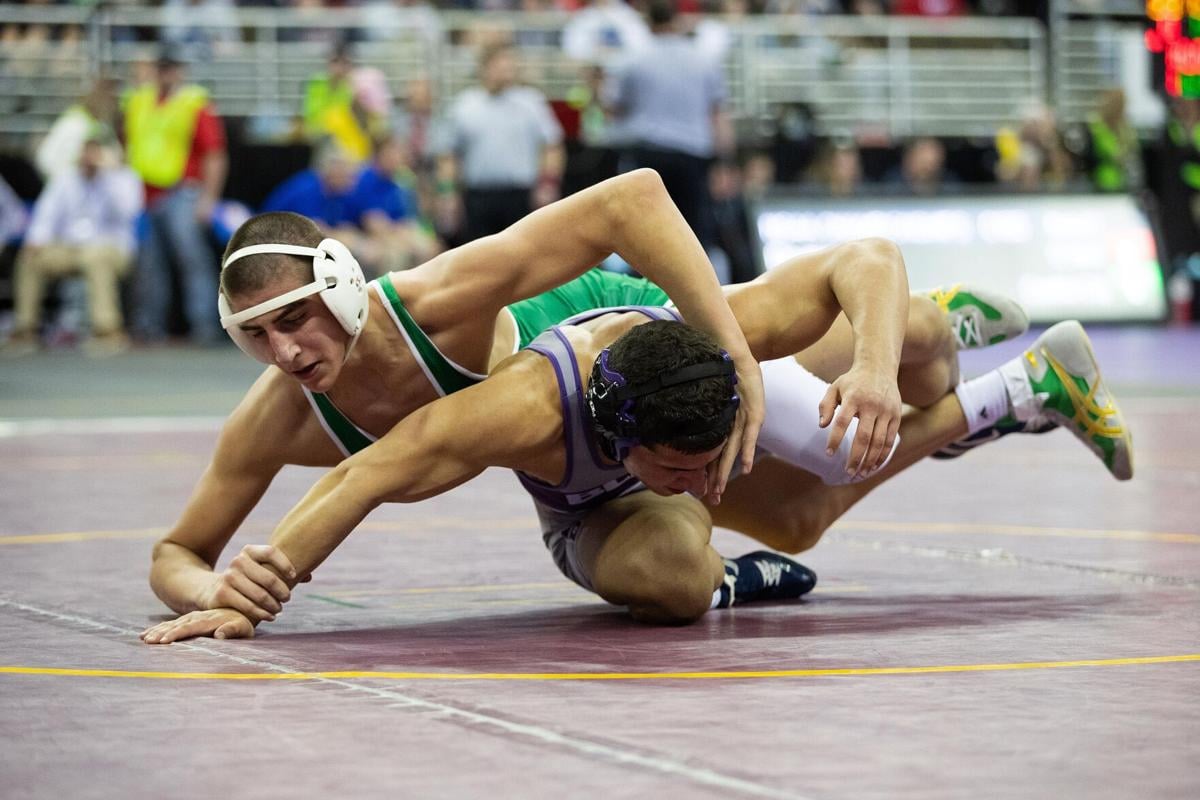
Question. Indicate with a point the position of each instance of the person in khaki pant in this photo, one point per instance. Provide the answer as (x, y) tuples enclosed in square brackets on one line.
[(83, 223)]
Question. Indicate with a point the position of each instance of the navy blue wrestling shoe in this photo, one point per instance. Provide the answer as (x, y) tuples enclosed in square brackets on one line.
[(764, 575), (1004, 427)]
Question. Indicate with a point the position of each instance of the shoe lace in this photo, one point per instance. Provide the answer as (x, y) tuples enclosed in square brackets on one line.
[(943, 297), (967, 332), (1089, 414)]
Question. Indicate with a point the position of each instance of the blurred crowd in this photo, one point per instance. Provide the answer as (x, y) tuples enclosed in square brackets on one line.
[(121, 241), (214, 9)]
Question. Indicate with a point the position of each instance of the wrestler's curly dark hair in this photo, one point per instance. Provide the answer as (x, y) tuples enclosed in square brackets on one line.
[(657, 348), (252, 273)]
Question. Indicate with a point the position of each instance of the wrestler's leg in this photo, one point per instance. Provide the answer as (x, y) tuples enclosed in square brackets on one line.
[(788, 508), (928, 359), (652, 554)]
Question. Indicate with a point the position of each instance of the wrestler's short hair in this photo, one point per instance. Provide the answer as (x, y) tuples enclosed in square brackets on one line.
[(690, 417), (275, 227)]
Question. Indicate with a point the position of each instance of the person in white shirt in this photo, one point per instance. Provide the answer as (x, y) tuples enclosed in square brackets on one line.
[(83, 223), (505, 151)]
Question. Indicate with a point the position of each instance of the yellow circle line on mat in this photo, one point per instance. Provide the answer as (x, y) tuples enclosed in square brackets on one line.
[(591, 676), (82, 536)]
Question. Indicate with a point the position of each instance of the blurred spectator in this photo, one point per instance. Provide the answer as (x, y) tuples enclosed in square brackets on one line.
[(425, 133), (1114, 157), (13, 216), (758, 174), (386, 213), (840, 172), (505, 148), (1179, 191), (673, 126), (604, 31), (200, 30), (322, 192), (1033, 158), (60, 150), (592, 154), (922, 169), (176, 142), (329, 105), (83, 222), (731, 252), (372, 100), (794, 141)]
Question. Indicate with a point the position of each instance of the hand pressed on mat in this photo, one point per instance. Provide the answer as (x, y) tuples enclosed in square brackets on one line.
[(220, 623)]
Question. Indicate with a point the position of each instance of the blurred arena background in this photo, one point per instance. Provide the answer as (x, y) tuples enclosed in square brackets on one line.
[(1019, 628), (1033, 145)]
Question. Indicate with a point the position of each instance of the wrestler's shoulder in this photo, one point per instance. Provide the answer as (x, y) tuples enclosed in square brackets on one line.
[(275, 421)]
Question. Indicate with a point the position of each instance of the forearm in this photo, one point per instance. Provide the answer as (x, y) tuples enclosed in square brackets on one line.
[(314, 528), (724, 136), (212, 175), (553, 162), (447, 172), (178, 577), (651, 234), (871, 286)]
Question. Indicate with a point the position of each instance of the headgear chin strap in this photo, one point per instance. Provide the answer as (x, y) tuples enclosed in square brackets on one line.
[(611, 400), (337, 278)]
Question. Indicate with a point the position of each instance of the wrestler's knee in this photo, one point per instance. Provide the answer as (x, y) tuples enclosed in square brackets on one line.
[(668, 579), (927, 334)]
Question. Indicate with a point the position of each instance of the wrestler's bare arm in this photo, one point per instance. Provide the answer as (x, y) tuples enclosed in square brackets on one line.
[(631, 215), (513, 419), (263, 433), (793, 305)]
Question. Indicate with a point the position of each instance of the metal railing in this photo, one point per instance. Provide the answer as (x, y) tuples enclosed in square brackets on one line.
[(891, 75), (1095, 45)]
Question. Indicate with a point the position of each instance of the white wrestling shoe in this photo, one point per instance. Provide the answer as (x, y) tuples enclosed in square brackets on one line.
[(979, 317), (1057, 380)]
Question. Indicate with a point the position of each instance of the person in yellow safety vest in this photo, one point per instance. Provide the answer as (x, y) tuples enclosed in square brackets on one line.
[(329, 106), (1116, 157), (176, 143)]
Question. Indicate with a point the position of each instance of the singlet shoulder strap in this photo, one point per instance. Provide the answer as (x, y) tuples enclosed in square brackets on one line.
[(348, 437), (446, 376), (653, 312)]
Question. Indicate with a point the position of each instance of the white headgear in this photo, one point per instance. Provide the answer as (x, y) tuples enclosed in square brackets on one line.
[(337, 277)]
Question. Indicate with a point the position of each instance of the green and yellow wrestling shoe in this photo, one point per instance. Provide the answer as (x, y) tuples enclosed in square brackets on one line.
[(1058, 381), (980, 317)]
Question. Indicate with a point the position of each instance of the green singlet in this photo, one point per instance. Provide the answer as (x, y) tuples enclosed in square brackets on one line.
[(594, 289)]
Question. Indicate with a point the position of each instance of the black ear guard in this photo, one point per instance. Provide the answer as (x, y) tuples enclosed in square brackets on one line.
[(611, 400)]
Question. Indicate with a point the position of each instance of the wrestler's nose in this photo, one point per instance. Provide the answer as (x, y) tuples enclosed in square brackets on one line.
[(283, 347), (693, 481)]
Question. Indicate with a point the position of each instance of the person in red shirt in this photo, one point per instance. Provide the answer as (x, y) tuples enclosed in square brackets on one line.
[(176, 144)]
